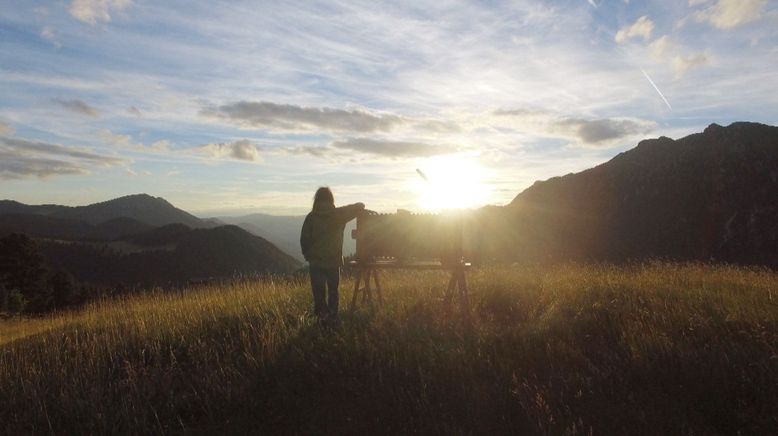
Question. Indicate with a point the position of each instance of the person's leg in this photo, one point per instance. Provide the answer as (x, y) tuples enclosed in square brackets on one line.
[(333, 280), (318, 280)]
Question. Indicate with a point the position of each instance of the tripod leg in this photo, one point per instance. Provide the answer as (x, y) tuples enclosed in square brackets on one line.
[(452, 283), (367, 293), (356, 290), (379, 293)]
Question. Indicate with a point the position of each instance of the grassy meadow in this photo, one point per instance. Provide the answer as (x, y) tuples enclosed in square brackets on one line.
[(653, 348)]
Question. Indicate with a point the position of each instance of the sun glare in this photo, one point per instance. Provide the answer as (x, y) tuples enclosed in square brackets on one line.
[(451, 182)]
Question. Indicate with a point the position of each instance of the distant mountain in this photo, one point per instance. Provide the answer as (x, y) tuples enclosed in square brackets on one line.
[(154, 211), (710, 195), (168, 255), (44, 226), (10, 206), (141, 240), (142, 207), (284, 231)]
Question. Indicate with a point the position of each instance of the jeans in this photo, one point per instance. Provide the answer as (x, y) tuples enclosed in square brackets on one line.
[(321, 278)]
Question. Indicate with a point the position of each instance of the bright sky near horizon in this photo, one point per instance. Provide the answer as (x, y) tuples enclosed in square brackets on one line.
[(239, 107)]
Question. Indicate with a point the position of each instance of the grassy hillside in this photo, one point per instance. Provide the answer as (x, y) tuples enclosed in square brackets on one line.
[(654, 349)]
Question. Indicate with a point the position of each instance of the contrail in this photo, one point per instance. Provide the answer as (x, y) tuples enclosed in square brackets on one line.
[(657, 88)]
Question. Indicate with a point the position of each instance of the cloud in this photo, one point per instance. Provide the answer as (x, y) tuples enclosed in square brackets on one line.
[(5, 129), (728, 14), (393, 148), (642, 27), (600, 132), (313, 150), (241, 150), (659, 47), (126, 142), (286, 117), (682, 64), (78, 106), (92, 11), (47, 33), (666, 50), (111, 138), (20, 158)]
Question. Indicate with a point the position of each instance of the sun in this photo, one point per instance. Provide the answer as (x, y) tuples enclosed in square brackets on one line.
[(451, 182)]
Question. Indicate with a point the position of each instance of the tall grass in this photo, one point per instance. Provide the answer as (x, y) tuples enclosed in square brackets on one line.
[(572, 349)]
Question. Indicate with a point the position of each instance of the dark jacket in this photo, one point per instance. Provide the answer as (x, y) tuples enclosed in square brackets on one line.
[(321, 238)]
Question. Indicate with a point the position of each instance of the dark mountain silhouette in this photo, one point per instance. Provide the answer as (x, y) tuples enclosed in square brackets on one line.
[(44, 226), (172, 254), (142, 207), (710, 195), (141, 240), (117, 229), (10, 206)]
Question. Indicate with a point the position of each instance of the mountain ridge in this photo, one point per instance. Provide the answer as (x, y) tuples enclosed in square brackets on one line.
[(709, 195)]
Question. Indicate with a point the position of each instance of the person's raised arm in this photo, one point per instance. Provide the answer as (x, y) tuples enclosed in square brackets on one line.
[(348, 213)]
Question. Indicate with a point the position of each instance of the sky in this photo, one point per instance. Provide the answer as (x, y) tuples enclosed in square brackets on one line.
[(226, 108)]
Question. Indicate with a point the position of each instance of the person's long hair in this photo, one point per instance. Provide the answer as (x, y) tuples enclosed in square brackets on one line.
[(323, 198)]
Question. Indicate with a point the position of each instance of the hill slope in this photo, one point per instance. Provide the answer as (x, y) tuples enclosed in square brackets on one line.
[(568, 349), (708, 195)]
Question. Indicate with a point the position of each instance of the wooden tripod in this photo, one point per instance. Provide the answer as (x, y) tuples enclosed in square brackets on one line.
[(364, 275), (457, 284)]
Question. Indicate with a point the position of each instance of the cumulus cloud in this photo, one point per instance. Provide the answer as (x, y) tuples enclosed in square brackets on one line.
[(727, 14), (393, 149), (641, 28), (241, 150), (78, 106), (287, 117), (92, 11), (20, 158)]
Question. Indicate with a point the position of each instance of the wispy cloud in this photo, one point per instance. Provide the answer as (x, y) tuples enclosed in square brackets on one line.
[(48, 34), (640, 28), (393, 149), (728, 14), (21, 158), (78, 106), (5, 129), (287, 117), (94, 11)]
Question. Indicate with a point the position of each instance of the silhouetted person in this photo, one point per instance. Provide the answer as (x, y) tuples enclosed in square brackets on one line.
[(321, 240)]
